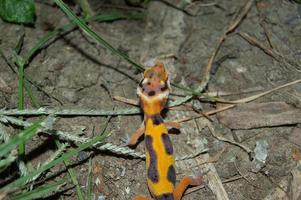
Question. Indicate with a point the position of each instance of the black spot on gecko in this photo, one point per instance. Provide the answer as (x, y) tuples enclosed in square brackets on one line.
[(157, 119), (171, 174), (167, 144), (152, 171), (151, 93), (166, 196)]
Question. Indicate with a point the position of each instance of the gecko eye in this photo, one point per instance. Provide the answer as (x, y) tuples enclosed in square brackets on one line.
[(164, 88), (140, 83)]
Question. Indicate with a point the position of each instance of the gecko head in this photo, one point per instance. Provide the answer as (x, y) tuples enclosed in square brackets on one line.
[(154, 87)]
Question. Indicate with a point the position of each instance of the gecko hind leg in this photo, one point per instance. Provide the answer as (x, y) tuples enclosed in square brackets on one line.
[(141, 198), (175, 125), (184, 183), (133, 140)]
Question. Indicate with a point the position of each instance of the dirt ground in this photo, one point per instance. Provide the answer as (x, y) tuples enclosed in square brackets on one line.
[(78, 73)]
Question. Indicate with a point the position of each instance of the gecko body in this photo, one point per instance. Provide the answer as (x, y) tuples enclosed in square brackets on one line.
[(153, 91)]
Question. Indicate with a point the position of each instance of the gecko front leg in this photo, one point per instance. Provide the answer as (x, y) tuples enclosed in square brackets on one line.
[(135, 137), (139, 132)]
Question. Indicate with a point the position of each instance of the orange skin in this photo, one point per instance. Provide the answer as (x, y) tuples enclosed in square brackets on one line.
[(153, 92)]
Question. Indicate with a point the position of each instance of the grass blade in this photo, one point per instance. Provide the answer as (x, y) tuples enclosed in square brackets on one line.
[(21, 138), (21, 181), (21, 151), (26, 83), (33, 98), (6, 162), (86, 8), (40, 191), (62, 30), (89, 182), (72, 175), (81, 23), (52, 35)]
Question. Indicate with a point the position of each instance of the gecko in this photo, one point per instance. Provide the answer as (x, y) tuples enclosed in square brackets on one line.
[(153, 91)]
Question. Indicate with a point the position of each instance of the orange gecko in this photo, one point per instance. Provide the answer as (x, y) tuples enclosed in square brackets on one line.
[(153, 91)]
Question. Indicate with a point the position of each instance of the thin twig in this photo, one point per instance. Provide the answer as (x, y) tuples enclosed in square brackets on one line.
[(212, 131), (120, 150), (72, 112), (240, 16), (269, 51), (256, 96), (254, 41), (245, 177), (130, 111), (276, 184), (190, 190), (243, 100), (212, 177), (134, 102), (213, 159), (73, 137), (126, 100), (82, 112), (233, 25)]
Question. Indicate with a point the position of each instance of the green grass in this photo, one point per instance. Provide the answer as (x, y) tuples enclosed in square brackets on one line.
[(19, 187), (20, 64), (82, 25), (20, 138), (89, 182), (40, 192), (21, 182), (72, 175)]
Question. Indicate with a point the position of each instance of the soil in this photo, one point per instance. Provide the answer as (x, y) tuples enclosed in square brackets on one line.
[(75, 72)]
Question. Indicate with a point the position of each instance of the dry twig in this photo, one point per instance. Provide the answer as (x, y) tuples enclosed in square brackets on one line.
[(245, 177), (233, 25), (212, 131), (243, 100), (191, 190)]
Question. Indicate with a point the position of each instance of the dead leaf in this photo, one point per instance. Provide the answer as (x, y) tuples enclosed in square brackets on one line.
[(296, 154), (99, 181), (255, 115)]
